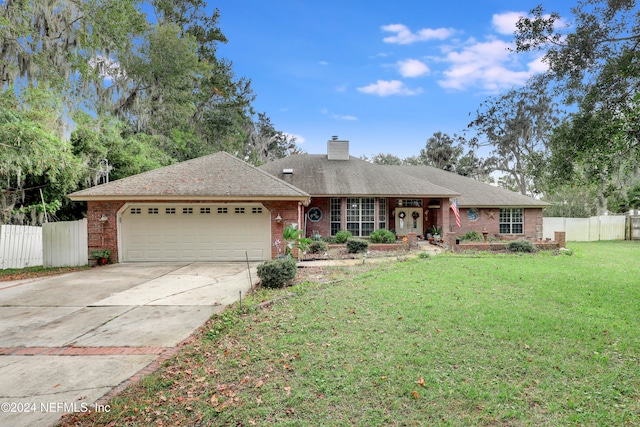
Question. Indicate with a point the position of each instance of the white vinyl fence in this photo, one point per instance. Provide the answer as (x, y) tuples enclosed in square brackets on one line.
[(55, 244), (20, 246), (604, 227), (65, 243)]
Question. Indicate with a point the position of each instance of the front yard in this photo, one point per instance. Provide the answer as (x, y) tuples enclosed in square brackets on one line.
[(476, 339)]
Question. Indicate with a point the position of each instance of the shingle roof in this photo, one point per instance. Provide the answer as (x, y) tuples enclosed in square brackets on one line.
[(218, 175), (472, 193), (318, 176)]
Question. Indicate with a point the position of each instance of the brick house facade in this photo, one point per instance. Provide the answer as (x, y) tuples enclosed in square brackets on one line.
[(252, 205), (322, 194), (102, 220)]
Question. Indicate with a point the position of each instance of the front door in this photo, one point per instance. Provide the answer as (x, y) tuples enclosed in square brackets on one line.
[(409, 220)]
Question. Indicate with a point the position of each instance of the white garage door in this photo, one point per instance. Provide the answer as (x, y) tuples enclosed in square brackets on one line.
[(195, 232)]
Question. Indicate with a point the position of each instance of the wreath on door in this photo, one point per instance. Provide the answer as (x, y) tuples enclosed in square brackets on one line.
[(415, 215), (402, 215)]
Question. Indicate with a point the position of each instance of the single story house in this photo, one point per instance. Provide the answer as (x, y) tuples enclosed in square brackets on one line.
[(219, 208), (351, 194)]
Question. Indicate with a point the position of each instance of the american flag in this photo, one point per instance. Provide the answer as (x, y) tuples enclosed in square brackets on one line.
[(456, 212)]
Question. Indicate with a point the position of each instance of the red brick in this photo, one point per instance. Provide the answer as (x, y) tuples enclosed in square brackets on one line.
[(105, 235), (489, 221)]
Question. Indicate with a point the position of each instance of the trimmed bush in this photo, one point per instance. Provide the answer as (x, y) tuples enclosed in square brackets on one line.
[(355, 246), (342, 236), (328, 239), (472, 236), (276, 273), (317, 246), (382, 236), (521, 246)]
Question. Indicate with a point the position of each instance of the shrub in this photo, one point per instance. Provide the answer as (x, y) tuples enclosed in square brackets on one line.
[(382, 236), (342, 236), (355, 246), (472, 236), (276, 273), (521, 246), (100, 253), (317, 246), (328, 239)]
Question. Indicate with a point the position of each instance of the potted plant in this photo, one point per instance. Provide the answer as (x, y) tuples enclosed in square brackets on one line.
[(435, 232), (101, 256)]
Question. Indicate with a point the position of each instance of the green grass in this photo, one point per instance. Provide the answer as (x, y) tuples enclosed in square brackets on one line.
[(453, 340)]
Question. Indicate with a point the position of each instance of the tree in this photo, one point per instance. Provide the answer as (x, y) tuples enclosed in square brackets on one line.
[(105, 146), (440, 152), (161, 76), (265, 143), (66, 45), (37, 168), (593, 65), (386, 159), (517, 126), (472, 166)]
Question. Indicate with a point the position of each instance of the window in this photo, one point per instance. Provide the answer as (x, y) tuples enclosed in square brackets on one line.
[(205, 210), (152, 211), (169, 211), (136, 211), (512, 221), (187, 210), (382, 213), (239, 210), (416, 203), (223, 210), (256, 210), (335, 216), (361, 215)]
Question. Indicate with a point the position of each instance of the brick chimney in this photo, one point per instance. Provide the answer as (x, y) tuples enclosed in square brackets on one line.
[(337, 149)]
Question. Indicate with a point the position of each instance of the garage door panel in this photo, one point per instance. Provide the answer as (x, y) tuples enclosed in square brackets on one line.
[(208, 236)]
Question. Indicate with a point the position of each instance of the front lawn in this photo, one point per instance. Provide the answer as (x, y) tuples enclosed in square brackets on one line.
[(480, 339)]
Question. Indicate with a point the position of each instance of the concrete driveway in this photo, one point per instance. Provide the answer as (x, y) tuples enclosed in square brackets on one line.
[(68, 340)]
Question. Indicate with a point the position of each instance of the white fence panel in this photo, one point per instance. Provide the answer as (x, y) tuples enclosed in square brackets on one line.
[(65, 243), (578, 229), (612, 227), (605, 227), (20, 246), (551, 225), (634, 227)]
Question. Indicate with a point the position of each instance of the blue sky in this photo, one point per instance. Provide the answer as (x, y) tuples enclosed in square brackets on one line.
[(383, 75)]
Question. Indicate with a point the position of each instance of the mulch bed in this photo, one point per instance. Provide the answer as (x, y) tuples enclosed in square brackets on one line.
[(22, 275)]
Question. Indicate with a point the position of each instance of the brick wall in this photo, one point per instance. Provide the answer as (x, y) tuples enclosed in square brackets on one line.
[(324, 225), (104, 235), (290, 212), (489, 220)]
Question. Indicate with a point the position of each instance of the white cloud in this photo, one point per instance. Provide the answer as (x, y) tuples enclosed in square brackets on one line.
[(505, 23), (323, 63), (488, 65), (405, 36), (388, 87), (412, 68)]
